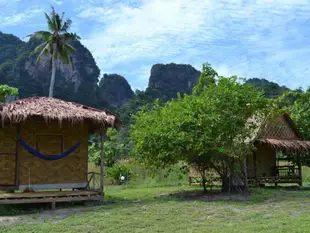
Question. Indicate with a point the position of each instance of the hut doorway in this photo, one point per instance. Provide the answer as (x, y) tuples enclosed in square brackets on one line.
[(8, 153)]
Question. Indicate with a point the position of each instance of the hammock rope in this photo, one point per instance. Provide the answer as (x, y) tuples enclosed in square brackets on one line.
[(47, 157)]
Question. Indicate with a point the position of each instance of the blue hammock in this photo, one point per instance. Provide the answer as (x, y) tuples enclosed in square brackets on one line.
[(46, 157)]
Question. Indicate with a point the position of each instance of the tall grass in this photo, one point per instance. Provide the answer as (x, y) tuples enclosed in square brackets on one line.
[(143, 177)]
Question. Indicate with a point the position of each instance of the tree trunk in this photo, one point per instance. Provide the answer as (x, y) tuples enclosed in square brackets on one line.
[(204, 184), (225, 184), (203, 179), (51, 89)]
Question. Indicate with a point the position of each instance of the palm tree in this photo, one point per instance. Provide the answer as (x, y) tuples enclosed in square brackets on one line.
[(55, 45)]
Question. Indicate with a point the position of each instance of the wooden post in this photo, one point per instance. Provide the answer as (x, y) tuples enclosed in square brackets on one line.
[(102, 164), (17, 158), (299, 169), (53, 206)]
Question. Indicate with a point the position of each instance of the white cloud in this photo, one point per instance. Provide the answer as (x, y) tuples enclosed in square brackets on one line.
[(14, 18), (144, 32), (57, 2), (259, 38)]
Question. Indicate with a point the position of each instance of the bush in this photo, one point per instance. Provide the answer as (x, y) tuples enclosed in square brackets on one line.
[(116, 171), (144, 177)]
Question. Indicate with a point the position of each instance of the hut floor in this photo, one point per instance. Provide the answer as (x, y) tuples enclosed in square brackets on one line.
[(49, 197)]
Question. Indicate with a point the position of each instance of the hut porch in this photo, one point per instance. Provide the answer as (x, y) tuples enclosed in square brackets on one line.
[(91, 192), (50, 197), (286, 169)]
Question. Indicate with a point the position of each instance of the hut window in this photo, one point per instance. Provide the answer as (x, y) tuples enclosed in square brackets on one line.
[(49, 144)]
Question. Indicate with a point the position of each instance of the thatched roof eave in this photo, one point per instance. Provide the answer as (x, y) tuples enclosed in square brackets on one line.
[(293, 146), (52, 109)]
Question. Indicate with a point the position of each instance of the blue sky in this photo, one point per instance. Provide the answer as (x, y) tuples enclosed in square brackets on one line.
[(256, 38)]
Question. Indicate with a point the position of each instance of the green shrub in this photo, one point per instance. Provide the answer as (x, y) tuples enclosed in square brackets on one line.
[(116, 171)]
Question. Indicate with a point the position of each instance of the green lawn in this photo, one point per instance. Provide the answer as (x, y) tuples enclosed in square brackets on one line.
[(152, 210)]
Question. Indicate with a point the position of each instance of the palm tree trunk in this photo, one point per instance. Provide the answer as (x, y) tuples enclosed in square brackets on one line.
[(51, 89)]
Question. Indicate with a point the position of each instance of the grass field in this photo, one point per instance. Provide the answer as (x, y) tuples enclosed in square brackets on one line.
[(153, 210)]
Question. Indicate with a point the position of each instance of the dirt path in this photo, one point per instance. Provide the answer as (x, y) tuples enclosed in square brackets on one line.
[(47, 215)]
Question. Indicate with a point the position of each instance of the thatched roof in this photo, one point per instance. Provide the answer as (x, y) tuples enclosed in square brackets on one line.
[(287, 145), (281, 134), (55, 109)]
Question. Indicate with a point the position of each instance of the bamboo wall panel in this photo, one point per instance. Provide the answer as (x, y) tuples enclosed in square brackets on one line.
[(49, 144), (265, 160), (7, 155), (71, 169), (8, 139), (7, 171)]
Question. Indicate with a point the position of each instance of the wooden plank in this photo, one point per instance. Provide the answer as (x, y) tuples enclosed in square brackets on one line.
[(46, 194), (299, 169), (51, 200), (102, 163), (17, 158)]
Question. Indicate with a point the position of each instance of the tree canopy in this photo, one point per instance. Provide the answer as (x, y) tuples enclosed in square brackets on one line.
[(113, 150), (199, 129), (300, 112), (6, 91)]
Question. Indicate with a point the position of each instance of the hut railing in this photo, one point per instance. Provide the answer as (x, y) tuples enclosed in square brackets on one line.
[(93, 182), (287, 171)]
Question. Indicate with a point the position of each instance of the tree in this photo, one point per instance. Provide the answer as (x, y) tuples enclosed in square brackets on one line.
[(55, 45), (300, 112), (6, 91), (112, 149), (208, 129)]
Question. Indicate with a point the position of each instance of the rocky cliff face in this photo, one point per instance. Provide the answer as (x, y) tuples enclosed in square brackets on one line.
[(173, 78), (115, 90), (32, 79)]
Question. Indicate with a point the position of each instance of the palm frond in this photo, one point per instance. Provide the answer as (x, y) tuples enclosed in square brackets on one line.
[(39, 48), (58, 22), (45, 35), (69, 36), (69, 48), (50, 22), (62, 16), (45, 51), (66, 26)]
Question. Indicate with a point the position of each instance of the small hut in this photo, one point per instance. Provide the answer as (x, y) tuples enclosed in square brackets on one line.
[(276, 158), (44, 143), (277, 154)]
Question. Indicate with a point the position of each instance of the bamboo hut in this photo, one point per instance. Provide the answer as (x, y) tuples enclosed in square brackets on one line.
[(44, 143), (276, 158)]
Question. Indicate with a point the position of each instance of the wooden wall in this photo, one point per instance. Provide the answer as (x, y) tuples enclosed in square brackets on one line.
[(71, 169), (7, 155), (265, 160)]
